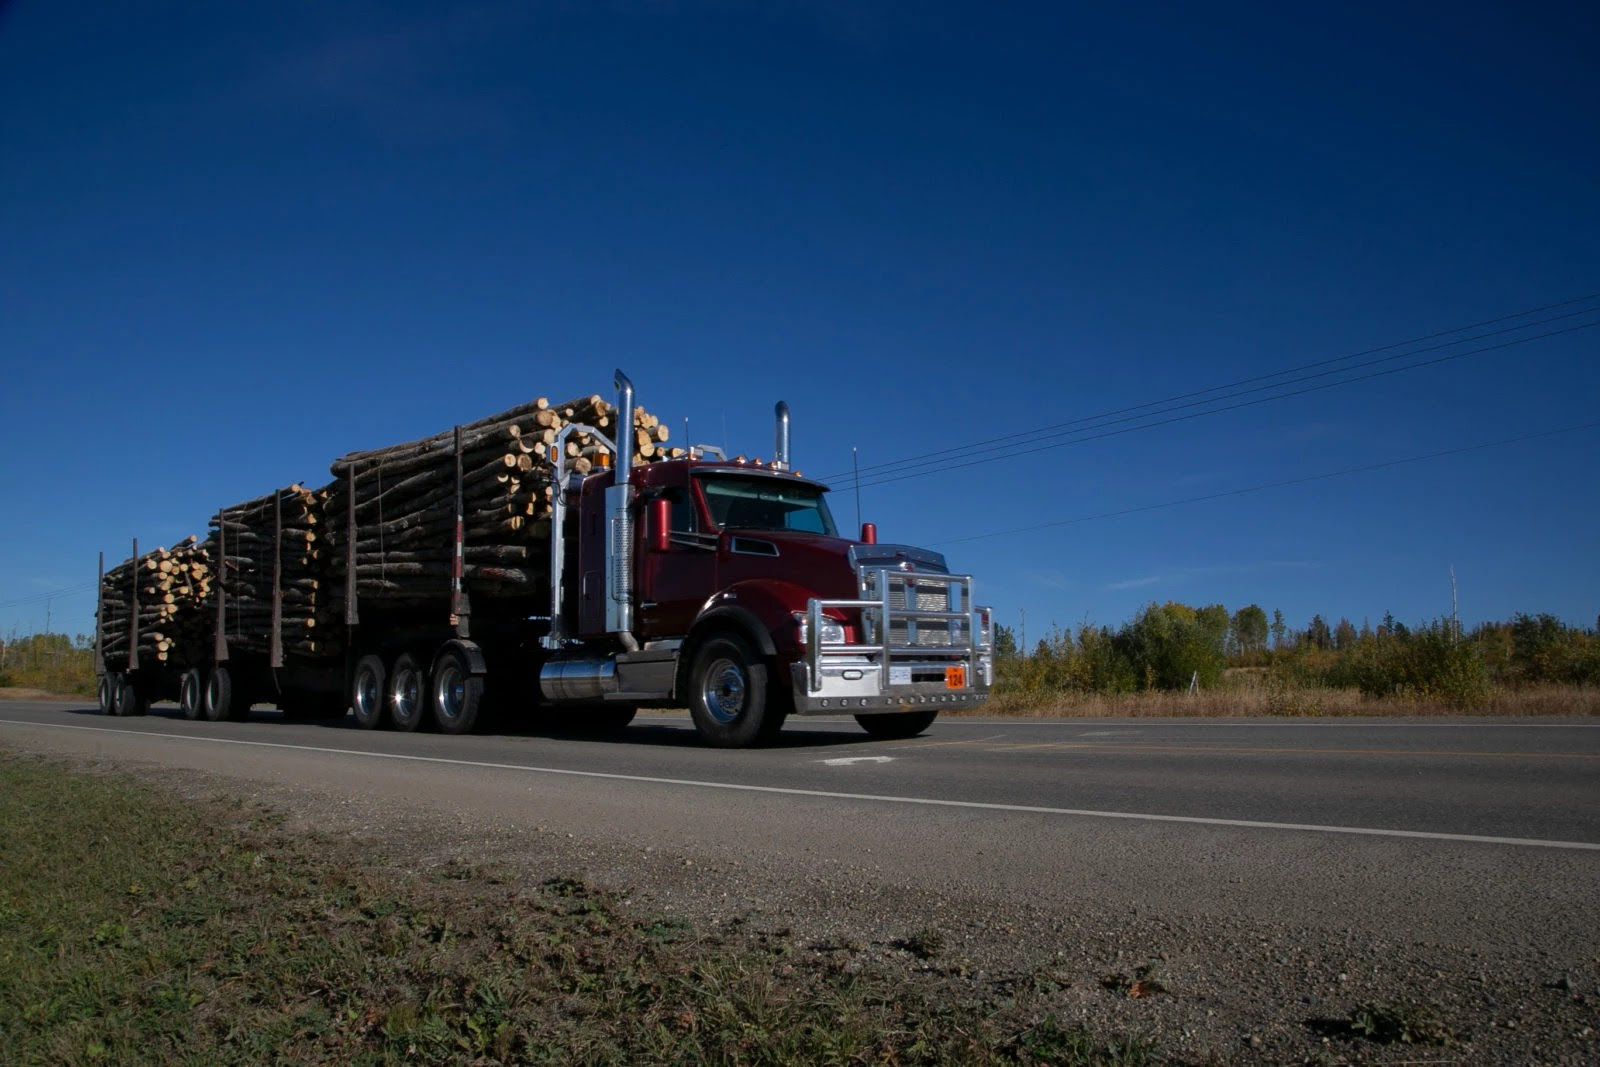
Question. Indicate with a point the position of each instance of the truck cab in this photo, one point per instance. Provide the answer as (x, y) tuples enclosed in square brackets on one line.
[(727, 586)]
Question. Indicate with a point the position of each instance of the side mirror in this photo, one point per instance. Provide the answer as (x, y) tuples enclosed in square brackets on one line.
[(869, 533), (659, 525)]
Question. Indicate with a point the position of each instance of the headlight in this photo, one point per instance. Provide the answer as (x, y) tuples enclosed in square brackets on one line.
[(832, 630)]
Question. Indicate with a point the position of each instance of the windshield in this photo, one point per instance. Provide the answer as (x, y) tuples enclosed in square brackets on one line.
[(739, 503)]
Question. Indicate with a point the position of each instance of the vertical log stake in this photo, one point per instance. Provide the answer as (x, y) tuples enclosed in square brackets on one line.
[(351, 615), (276, 651), (460, 609), (219, 641), (133, 612), (100, 619)]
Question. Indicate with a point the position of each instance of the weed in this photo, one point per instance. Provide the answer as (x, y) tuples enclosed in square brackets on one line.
[(1405, 1023), (925, 944), (1051, 1043)]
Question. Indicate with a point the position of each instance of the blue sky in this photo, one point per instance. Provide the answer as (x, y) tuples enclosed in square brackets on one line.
[(239, 240)]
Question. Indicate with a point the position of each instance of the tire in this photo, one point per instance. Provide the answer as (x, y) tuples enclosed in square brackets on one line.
[(455, 694), (367, 693), (728, 694), (898, 725), (107, 692), (406, 695), (192, 693), (127, 700), (218, 703)]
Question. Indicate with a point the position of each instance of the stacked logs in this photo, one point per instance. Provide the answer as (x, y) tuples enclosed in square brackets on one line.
[(173, 591), (273, 543), (404, 500)]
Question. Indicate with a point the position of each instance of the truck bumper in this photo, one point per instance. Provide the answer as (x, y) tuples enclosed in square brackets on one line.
[(856, 690)]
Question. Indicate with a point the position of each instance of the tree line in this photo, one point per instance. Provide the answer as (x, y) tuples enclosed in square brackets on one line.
[(1175, 646)]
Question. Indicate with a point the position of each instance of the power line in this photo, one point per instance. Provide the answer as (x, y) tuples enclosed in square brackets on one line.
[(893, 470), (1223, 495), (40, 598), (1084, 434)]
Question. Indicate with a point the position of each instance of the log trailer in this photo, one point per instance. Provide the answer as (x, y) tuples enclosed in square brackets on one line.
[(719, 584)]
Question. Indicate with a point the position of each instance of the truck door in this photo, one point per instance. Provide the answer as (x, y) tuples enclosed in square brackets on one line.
[(673, 585)]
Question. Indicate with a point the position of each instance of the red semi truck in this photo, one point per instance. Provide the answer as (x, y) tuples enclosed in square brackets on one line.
[(721, 585)]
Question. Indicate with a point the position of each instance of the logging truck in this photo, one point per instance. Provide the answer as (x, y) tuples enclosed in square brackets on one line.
[(551, 559)]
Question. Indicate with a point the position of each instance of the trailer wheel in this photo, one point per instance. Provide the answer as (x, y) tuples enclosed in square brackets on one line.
[(456, 694), (192, 693), (406, 695), (897, 726), (107, 691), (728, 694), (367, 691), (218, 703), (128, 700)]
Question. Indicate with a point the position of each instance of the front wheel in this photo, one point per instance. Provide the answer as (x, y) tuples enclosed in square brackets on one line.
[(406, 695), (456, 694), (897, 726), (728, 694)]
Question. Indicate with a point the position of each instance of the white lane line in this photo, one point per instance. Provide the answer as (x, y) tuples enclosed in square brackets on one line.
[(933, 802), (849, 761)]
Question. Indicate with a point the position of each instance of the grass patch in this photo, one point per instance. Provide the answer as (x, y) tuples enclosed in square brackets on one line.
[(137, 928)]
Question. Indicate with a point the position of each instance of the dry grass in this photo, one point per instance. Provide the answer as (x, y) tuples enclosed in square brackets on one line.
[(1254, 697)]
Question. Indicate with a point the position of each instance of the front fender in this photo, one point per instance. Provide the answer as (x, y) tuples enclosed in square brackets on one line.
[(763, 609)]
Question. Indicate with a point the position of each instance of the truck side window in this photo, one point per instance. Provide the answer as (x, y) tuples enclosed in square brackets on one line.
[(683, 513)]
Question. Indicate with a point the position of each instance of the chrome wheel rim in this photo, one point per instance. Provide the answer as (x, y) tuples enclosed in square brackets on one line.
[(367, 698), (450, 692), (724, 690), (406, 697)]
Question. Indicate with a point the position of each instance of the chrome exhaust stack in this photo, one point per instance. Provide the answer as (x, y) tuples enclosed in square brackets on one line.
[(780, 450), (619, 542)]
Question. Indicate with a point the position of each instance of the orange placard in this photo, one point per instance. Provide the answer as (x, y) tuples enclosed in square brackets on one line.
[(955, 677)]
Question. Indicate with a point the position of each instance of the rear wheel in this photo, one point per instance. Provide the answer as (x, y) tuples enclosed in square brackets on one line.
[(128, 700), (406, 694), (455, 694), (107, 692), (367, 691), (898, 725), (728, 694), (192, 693), (219, 699)]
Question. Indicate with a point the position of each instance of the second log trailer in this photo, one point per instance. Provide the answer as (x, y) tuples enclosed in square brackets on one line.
[(721, 585)]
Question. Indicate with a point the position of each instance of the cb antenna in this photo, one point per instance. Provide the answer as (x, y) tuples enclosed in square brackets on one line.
[(855, 465)]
